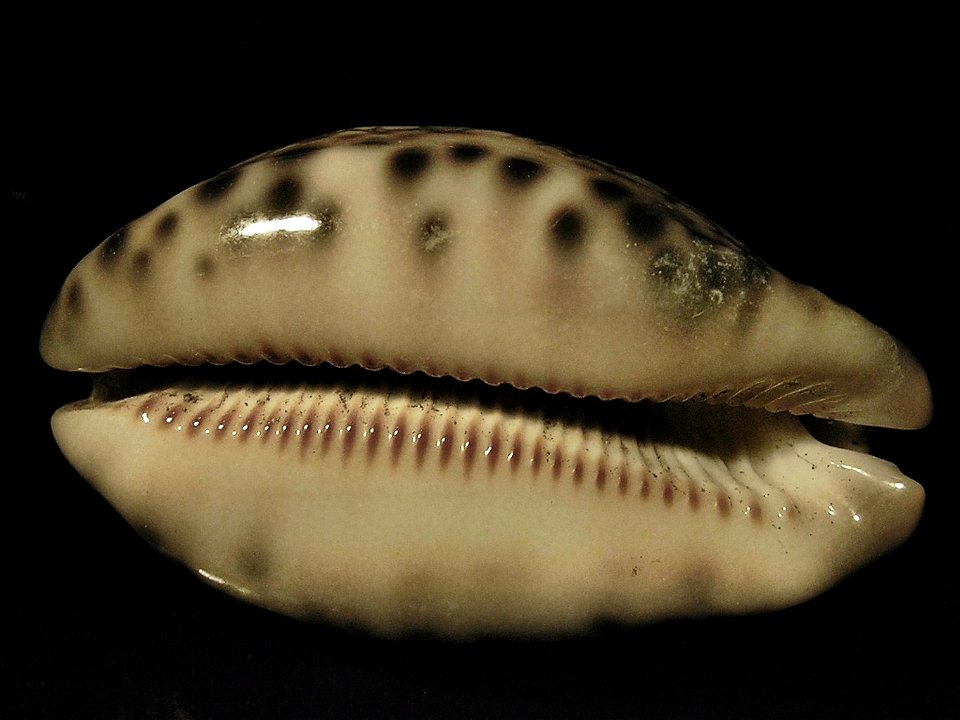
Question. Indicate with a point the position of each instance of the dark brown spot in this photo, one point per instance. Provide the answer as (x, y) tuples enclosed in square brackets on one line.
[(578, 471), (329, 221), (537, 458), (268, 352), (624, 483), (422, 440), (645, 488), (284, 195), (304, 357), (166, 227), (756, 512), (407, 165), (567, 228), (168, 419), (434, 233), (204, 266), (253, 562), (219, 186), (247, 427), (223, 423), (668, 494), (470, 447), (350, 434), (307, 431), (398, 439), (146, 406), (609, 190), (327, 430), (723, 505), (195, 423), (287, 429), (693, 498), (557, 462), (113, 247), (642, 221), (140, 266), (467, 152), (373, 439), (493, 450), (491, 376), (446, 443), (296, 152), (269, 427), (515, 452), (520, 171), (601, 480), (74, 299)]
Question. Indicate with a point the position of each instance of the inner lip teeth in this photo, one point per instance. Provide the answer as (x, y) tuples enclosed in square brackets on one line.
[(605, 414), (608, 416)]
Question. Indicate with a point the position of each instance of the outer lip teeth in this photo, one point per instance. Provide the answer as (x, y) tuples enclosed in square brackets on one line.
[(557, 406)]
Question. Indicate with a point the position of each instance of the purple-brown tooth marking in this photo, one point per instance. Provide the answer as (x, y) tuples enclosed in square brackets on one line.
[(399, 503)]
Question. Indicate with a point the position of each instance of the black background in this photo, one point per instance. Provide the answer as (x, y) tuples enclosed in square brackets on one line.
[(831, 154)]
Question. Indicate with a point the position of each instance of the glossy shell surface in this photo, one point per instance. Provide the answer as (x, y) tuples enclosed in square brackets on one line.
[(535, 487)]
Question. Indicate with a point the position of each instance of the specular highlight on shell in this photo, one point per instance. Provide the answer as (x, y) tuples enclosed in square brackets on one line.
[(383, 499)]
